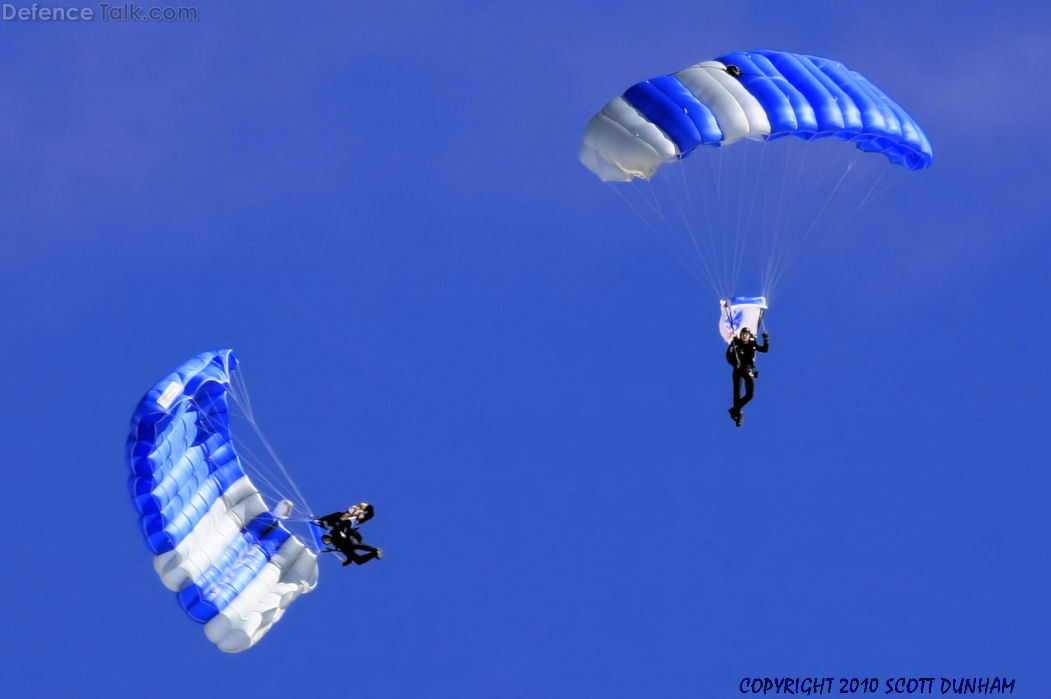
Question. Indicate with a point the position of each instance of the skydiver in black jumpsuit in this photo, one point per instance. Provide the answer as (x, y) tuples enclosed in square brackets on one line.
[(741, 356), (343, 534)]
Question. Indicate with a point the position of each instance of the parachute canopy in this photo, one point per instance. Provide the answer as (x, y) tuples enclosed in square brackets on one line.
[(761, 95), (227, 555), (742, 217)]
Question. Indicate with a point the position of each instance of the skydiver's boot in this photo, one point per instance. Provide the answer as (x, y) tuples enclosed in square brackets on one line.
[(739, 418), (379, 554), (733, 414)]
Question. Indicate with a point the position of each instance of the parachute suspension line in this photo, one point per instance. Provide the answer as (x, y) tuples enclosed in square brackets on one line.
[(697, 265), (777, 224), (828, 200), (741, 229), (687, 201), (657, 232), (260, 474), (733, 228), (752, 203), (786, 249), (723, 230), (792, 254), (803, 255), (205, 410), (687, 248), (651, 199), (717, 213), (871, 195), (680, 196), (714, 227), (786, 208), (258, 467), (772, 224), (715, 240), (239, 390), (712, 239)]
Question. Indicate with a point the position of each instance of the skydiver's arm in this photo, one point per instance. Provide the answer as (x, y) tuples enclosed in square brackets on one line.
[(329, 521), (765, 347)]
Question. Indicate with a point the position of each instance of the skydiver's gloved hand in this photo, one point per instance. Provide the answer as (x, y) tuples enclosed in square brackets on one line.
[(766, 336)]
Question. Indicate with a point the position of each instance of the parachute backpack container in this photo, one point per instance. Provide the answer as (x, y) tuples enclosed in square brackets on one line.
[(741, 312), (227, 554), (704, 157)]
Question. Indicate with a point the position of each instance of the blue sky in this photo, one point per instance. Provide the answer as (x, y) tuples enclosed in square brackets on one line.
[(439, 310)]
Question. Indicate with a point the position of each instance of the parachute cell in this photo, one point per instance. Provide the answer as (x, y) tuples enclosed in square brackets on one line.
[(233, 564)]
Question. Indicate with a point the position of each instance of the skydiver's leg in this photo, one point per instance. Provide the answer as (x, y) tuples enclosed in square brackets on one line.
[(737, 376), (352, 556), (351, 552), (749, 386), (359, 558)]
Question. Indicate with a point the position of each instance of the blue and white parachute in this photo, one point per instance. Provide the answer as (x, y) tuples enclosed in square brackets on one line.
[(218, 543), (753, 209), (760, 95)]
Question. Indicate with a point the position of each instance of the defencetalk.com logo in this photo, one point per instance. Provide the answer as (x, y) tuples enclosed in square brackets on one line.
[(103, 11)]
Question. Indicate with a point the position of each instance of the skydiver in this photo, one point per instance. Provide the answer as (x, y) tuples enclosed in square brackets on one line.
[(741, 356), (343, 534)]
